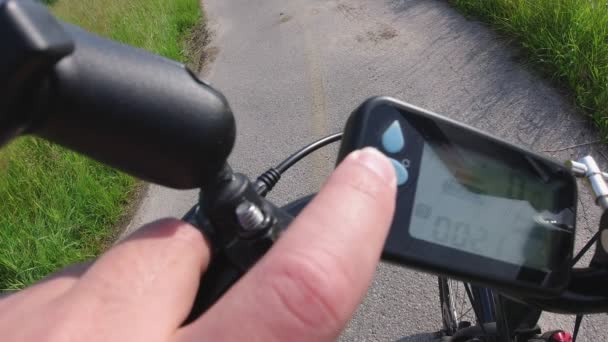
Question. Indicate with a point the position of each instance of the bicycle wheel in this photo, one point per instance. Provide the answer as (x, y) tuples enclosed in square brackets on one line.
[(460, 309)]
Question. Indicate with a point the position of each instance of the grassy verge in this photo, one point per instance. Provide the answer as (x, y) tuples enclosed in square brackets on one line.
[(161, 26), (57, 207), (568, 39)]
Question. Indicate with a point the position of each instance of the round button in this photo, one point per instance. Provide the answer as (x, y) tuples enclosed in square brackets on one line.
[(402, 174)]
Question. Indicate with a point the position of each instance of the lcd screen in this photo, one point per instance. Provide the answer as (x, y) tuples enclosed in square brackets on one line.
[(478, 204)]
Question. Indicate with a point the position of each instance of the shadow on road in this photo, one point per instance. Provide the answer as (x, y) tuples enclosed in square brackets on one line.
[(422, 337)]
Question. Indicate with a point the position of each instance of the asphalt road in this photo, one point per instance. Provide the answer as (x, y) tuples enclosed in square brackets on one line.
[(293, 70)]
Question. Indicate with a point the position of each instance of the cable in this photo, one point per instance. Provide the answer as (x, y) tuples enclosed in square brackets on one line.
[(270, 178), (577, 325), (296, 157), (585, 248)]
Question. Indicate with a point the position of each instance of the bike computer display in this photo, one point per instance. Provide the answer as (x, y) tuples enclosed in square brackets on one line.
[(480, 205), (469, 205)]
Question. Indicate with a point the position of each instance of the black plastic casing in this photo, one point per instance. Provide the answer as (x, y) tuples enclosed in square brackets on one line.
[(139, 112), (128, 108), (364, 127), (32, 42)]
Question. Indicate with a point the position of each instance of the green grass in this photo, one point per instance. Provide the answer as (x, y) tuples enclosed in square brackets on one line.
[(567, 39), (161, 26), (57, 207)]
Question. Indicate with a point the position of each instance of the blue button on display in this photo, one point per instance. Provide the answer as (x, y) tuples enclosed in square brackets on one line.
[(402, 173), (392, 138)]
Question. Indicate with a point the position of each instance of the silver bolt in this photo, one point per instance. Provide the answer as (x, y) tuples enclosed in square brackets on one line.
[(250, 216)]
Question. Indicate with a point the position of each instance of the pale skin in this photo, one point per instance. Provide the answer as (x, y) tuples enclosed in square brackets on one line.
[(305, 288)]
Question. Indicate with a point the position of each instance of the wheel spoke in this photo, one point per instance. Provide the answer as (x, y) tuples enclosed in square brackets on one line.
[(464, 313), (453, 299), (463, 302), (459, 305)]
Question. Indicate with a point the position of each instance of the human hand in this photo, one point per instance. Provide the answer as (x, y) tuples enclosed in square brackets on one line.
[(305, 288)]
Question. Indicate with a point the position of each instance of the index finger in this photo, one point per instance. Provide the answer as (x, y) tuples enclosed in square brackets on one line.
[(310, 283)]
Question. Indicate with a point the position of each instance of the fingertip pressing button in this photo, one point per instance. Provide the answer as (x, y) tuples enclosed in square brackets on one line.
[(402, 174), (392, 138)]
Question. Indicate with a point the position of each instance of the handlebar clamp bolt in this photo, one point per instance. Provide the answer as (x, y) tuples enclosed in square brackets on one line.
[(251, 217)]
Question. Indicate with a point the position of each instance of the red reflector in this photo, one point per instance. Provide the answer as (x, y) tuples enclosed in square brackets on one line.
[(561, 336)]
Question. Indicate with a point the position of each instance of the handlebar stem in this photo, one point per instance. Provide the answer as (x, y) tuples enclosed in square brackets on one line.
[(247, 226)]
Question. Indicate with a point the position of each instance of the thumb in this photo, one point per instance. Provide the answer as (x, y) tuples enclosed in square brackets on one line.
[(309, 284)]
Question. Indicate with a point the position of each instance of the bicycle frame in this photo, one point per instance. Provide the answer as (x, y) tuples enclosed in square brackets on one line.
[(515, 321)]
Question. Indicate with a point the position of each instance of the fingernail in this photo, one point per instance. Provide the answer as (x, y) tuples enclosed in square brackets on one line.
[(377, 163)]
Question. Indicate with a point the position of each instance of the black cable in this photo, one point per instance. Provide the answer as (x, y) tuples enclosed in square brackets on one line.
[(296, 157), (577, 325), (585, 248), (579, 318), (270, 178)]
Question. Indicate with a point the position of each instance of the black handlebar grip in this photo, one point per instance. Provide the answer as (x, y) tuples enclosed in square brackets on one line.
[(32, 43), (139, 112)]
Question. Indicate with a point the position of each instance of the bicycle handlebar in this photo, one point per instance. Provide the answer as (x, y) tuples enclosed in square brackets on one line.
[(141, 113)]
